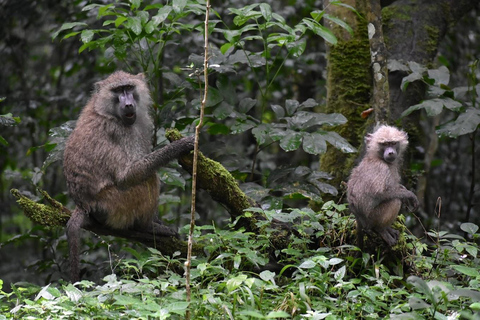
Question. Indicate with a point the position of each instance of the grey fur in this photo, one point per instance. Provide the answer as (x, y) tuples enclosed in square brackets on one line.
[(374, 192)]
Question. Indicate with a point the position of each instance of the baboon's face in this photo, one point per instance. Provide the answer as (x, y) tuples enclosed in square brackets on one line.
[(389, 151), (125, 102)]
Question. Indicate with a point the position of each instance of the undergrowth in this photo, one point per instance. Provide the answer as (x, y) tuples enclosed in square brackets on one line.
[(321, 276)]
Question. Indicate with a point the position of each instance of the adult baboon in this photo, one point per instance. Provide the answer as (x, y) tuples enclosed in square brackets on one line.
[(109, 164), (374, 192)]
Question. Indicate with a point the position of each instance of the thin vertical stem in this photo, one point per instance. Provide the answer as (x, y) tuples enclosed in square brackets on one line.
[(188, 263)]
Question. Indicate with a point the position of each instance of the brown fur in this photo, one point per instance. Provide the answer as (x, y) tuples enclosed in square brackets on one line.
[(109, 166), (374, 191)]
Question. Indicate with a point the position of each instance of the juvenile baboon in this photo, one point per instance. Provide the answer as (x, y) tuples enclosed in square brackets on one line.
[(374, 192), (109, 164)]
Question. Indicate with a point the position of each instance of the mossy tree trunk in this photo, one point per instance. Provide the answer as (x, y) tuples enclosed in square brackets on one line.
[(349, 84)]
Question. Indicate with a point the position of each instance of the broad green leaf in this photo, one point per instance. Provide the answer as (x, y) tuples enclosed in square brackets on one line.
[(266, 11), (234, 283), (472, 272), (340, 273), (246, 104), (314, 143), (161, 15), (307, 264), (179, 5), (317, 15), (135, 4), (466, 123), (214, 97), (320, 30), (268, 276), (410, 78), (440, 75), (338, 142), (395, 65), (134, 24), (340, 22), (469, 228), (172, 177), (104, 11), (291, 141), (416, 67), (223, 110), (417, 303), (87, 36), (434, 107), (278, 110), (297, 48), (67, 26), (278, 315), (291, 106)]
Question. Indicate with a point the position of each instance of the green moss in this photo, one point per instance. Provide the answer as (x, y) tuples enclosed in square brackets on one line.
[(349, 88), (431, 45), (39, 213)]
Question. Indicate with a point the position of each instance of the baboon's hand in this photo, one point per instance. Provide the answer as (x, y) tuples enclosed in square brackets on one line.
[(411, 202), (188, 143)]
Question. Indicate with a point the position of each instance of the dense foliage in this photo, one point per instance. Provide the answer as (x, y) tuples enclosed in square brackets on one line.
[(333, 282)]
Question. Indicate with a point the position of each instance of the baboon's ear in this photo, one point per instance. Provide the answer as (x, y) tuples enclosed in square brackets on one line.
[(141, 76), (368, 138), (97, 86)]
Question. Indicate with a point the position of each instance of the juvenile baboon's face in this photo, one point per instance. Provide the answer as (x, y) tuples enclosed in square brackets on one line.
[(125, 103), (389, 151)]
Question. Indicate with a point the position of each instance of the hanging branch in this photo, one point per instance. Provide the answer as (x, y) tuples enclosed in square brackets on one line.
[(188, 263), (378, 52)]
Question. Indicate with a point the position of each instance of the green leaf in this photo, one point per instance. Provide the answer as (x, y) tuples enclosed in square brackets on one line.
[(135, 4), (119, 21), (469, 228), (214, 97), (266, 11), (440, 75), (472, 272), (410, 78), (339, 22), (67, 26), (87, 36), (434, 107), (291, 106), (297, 48), (172, 177), (3, 141), (314, 143), (278, 110), (317, 15), (179, 5), (291, 141), (105, 10), (466, 123), (234, 283), (134, 24), (320, 30), (261, 132), (246, 104), (161, 15), (338, 142)]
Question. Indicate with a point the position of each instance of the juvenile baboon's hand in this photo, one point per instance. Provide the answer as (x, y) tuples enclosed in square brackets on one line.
[(412, 203)]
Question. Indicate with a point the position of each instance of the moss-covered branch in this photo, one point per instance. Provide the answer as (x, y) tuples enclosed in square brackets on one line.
[(54, 214)]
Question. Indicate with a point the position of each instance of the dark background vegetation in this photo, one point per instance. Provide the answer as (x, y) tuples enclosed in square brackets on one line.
[(46, 83)]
